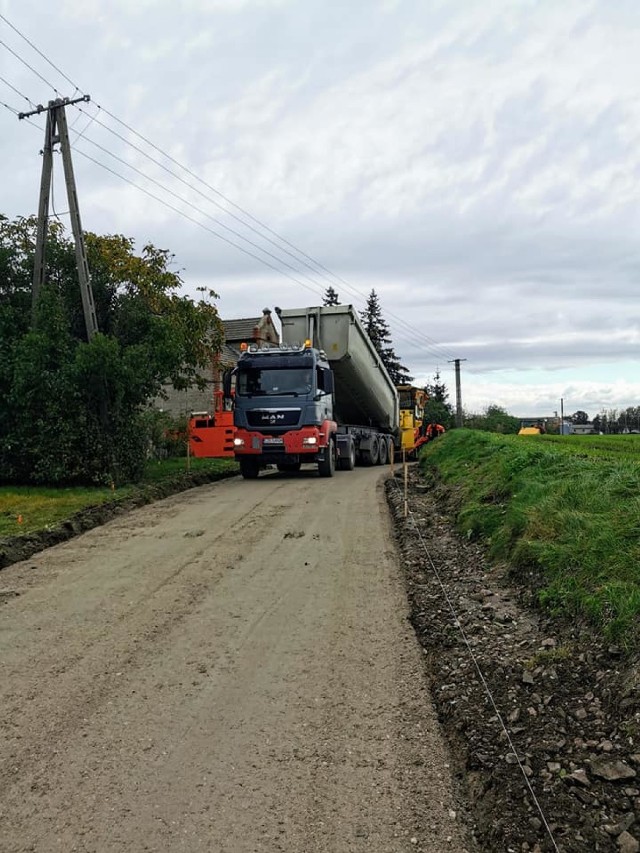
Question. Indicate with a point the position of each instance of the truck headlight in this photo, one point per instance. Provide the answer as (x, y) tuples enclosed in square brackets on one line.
[(238, 442), (311, 439)]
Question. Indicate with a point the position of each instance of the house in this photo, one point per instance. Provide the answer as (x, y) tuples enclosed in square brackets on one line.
[(259, 330), (582, 429)]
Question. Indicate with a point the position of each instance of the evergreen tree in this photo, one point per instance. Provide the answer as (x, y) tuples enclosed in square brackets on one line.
[(438, 409), (378, 330), (330, 297)]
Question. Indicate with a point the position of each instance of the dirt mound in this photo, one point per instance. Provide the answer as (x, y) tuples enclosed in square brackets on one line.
[(543, 720)]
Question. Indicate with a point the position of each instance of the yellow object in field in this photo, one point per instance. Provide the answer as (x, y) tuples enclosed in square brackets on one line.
[(530, 431)]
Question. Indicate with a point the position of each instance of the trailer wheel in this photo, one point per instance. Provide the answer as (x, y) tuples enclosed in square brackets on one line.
[(348, 463), (249, 468), (384, 447), (327, 466)]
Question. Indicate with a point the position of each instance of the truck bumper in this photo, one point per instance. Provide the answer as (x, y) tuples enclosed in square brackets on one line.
[(307, 444)]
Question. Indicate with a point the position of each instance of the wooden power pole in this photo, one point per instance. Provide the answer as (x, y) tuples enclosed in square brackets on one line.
[(56, 131)]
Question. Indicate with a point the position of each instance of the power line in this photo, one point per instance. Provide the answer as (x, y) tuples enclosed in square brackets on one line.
[(350, 288), (194, 207), (192, 219), (26, 64), (17, 91), (40, 53), (317, 268)]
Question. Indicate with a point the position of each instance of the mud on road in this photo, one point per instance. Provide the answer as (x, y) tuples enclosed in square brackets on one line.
[(231, 669), (551, 759)]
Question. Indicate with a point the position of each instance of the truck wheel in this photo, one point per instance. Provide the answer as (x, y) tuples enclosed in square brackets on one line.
[(249, 468), (327, 466), (382, 456)]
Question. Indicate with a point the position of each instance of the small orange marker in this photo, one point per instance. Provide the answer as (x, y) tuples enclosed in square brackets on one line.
[(19, 519)]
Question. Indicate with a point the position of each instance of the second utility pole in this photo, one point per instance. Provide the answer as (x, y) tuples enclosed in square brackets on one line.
[(456, 362), (57, 131)]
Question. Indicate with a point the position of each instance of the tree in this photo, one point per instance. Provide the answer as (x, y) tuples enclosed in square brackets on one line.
[(73, 411), (579, 417), (378, 330), (493, 419), (330, 297), (438, 409)]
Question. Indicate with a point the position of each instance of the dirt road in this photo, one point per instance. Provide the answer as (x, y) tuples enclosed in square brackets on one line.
[(227, 670)]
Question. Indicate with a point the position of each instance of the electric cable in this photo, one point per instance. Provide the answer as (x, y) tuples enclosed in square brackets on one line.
[(40, 53), (18, 92), (193, 206), (443, 352), (25, 63), (318, 268), (192, 219)]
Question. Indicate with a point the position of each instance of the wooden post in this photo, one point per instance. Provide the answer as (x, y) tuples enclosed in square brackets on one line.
[(406, 482)]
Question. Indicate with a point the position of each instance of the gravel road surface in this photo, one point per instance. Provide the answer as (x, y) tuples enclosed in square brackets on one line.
[(229, 670)]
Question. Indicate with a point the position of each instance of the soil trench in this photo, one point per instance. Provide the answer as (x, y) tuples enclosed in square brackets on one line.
[(551, 758)]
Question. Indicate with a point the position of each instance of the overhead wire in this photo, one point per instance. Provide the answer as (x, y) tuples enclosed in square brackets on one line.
[(424, 342), (30, 67), (198, 209), (431, 344), (40, 53), (18, 92), (192, 219)]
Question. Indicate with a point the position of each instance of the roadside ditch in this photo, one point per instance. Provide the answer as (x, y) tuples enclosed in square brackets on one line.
[(542, 718)]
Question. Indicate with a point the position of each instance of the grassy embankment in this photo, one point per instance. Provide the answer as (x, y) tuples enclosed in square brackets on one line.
[(568, 506), (26, 509)]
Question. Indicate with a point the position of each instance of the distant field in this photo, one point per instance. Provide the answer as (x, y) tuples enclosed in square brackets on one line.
[(599, 445), (566, 506)]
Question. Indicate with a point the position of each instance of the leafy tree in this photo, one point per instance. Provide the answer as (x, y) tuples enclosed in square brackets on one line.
[(330, 297), (493, 419), (579, 417), (378, 330), (73, 411)]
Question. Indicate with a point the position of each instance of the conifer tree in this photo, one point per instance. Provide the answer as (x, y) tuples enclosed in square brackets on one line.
[(330, 297), (378, 330), (438, 408)]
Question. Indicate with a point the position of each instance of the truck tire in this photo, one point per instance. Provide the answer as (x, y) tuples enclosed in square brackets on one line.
[(383, 454), (348, 462), (371, 455), (249, 468), (327, 466)]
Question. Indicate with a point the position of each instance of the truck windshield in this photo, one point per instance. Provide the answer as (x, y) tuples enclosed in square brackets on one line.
[(273, 382)]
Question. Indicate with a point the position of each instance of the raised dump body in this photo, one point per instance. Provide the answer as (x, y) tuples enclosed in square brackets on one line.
[(364, 393)]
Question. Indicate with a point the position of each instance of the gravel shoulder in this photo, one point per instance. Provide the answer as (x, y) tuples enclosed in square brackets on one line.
[(229, 669), (550, 759)]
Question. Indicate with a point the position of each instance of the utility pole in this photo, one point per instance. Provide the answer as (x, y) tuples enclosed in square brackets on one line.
[(56, 131), (456, 362)]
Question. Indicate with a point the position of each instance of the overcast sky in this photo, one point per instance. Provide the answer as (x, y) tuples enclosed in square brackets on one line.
[(477, 163)]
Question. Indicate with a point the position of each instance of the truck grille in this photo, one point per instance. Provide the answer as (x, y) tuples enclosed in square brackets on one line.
[(269, 418)]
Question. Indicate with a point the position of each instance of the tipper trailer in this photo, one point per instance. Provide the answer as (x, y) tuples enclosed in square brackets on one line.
[(323, 396)]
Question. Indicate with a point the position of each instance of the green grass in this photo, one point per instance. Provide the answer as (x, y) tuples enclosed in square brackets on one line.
[(566, 506), (25, 509)]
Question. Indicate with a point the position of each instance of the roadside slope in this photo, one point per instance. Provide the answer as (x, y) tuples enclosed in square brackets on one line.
[(230, 669)]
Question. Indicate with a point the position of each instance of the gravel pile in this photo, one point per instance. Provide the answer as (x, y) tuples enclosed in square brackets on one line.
[(543, 720)]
